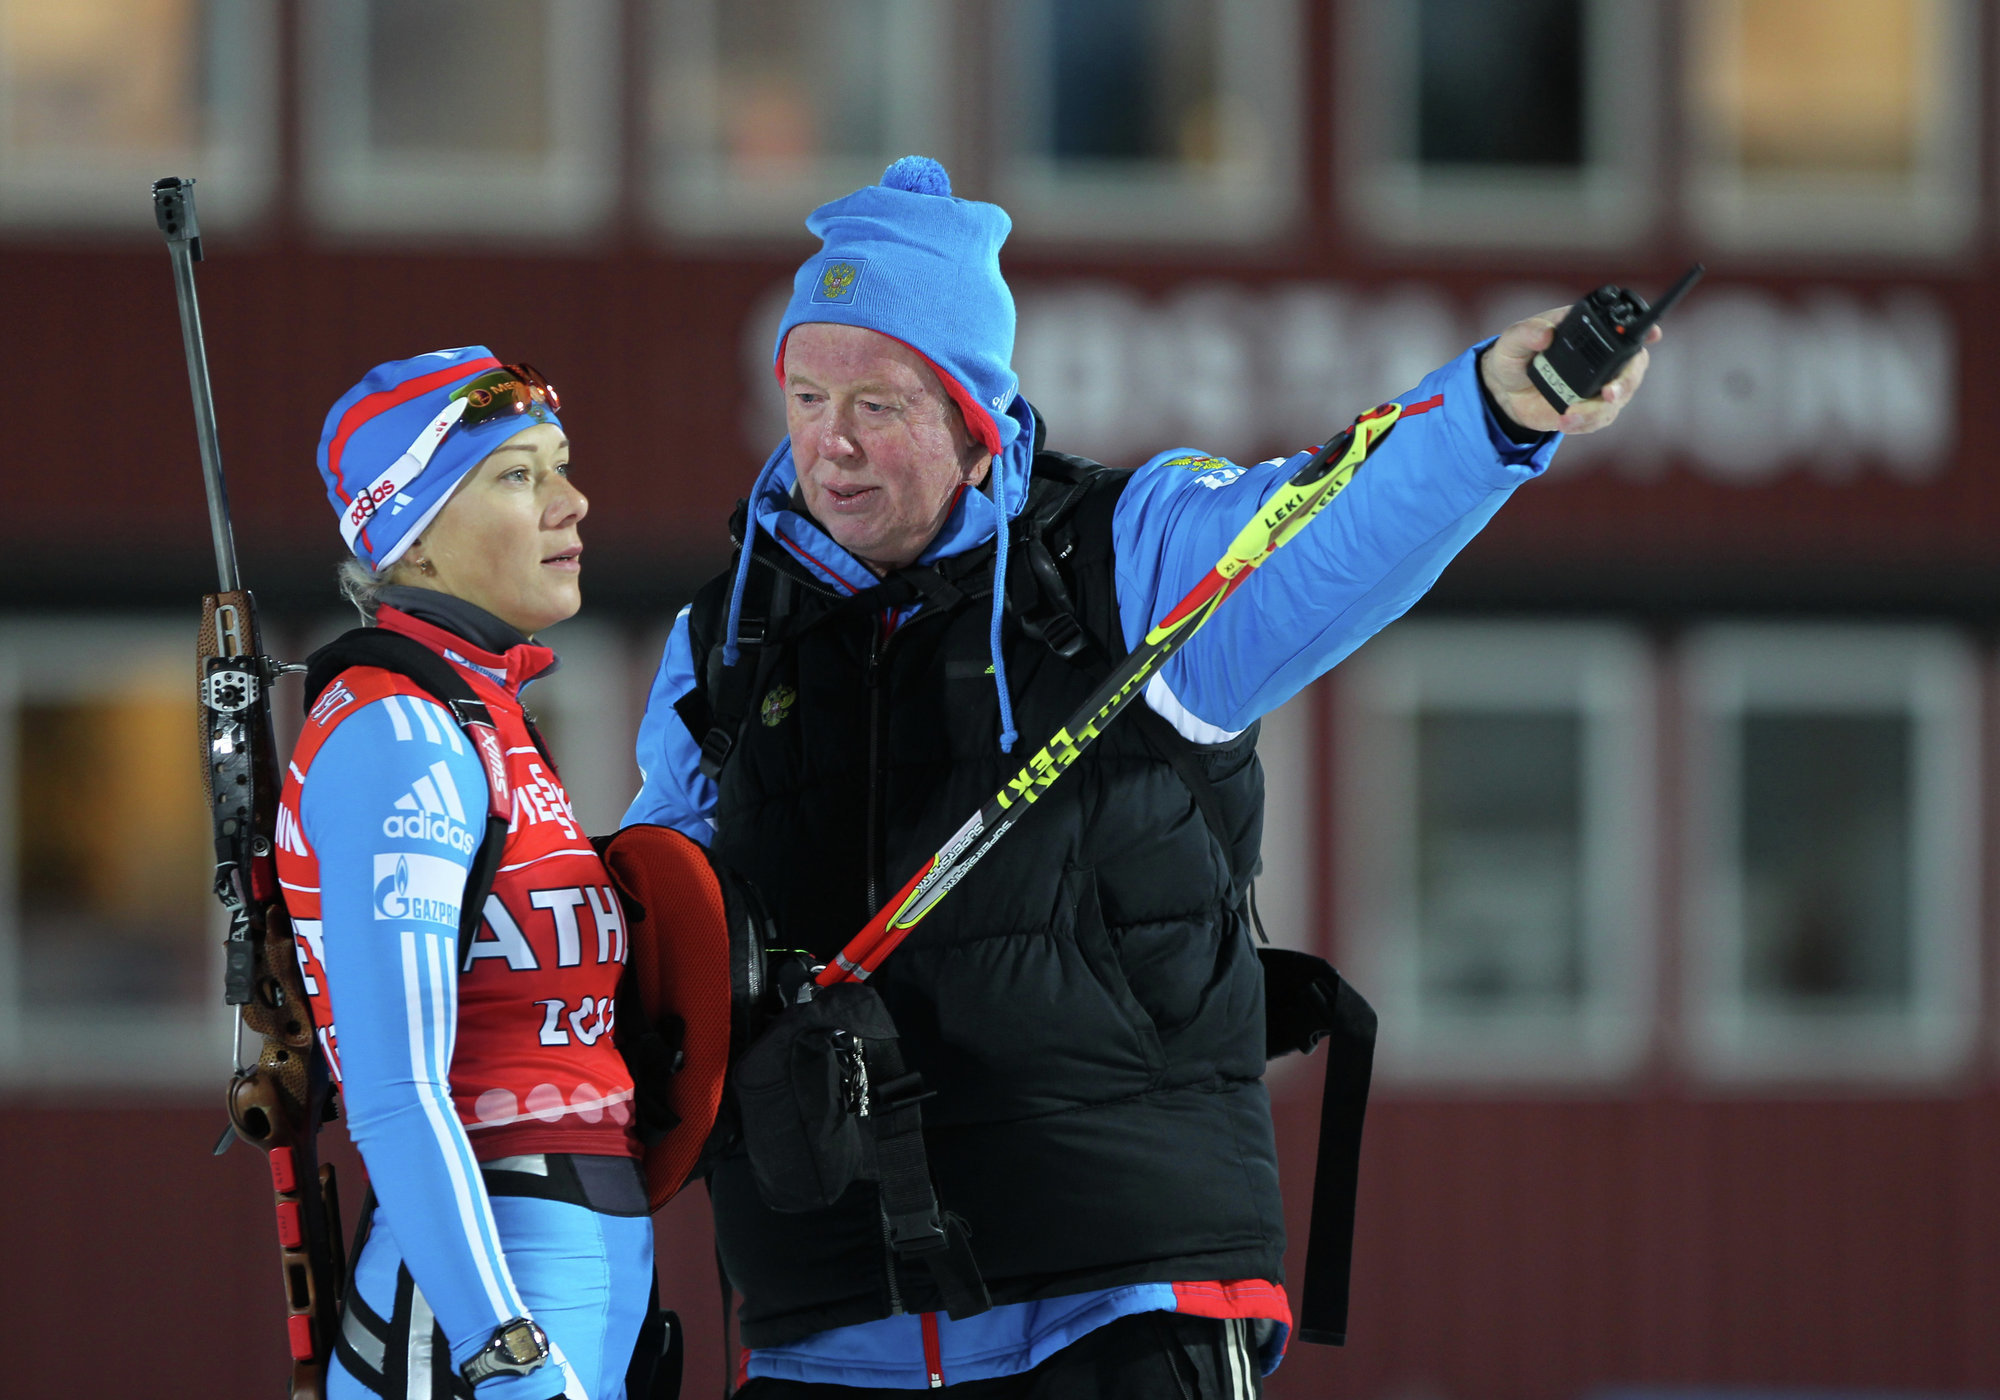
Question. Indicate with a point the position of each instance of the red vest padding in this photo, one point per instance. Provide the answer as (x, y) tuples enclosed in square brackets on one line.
[(534, 1069)]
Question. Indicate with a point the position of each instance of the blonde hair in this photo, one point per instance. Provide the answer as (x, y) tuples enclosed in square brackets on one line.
[(362, 586)]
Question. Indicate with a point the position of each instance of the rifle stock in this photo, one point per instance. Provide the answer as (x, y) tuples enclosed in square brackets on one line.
[(278, 1100)]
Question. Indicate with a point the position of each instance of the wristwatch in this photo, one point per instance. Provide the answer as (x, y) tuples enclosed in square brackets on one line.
[(516, 1348)]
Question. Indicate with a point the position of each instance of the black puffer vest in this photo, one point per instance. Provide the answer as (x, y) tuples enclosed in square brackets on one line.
[(1087, 1005)]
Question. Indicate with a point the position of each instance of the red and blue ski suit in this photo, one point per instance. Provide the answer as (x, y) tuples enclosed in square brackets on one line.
[(479, 1078)]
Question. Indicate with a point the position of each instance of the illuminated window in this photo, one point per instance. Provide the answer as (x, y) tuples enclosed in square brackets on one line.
[(109, 937), (1150, 119), (1843, 124), (1467, 122), (484, 118), (1495, 812), (762, 109), (98, 98), (1834, 855)]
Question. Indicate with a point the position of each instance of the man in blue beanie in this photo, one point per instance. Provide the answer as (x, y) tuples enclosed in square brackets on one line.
[(920, 582)]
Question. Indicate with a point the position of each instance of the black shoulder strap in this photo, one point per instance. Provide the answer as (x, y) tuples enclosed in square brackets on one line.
[(408, 657), (1052, 616), (718, 709), (920, 1229)]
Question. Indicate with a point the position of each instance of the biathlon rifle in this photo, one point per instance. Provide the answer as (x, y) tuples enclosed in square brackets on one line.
[(280, 1097)]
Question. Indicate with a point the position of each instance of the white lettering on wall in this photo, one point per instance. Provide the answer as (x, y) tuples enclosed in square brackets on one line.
[(1751, 386)]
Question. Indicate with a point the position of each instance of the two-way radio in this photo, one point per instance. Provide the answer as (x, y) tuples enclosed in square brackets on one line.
[(1601, 333)]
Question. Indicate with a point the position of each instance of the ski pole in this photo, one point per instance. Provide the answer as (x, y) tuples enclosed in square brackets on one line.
[(1309, 491)]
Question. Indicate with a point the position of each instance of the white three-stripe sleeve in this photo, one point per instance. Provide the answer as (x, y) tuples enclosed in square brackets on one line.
[(424, 1000)]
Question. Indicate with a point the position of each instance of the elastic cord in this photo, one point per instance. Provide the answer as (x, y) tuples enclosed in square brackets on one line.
[(730, 650), (1000, 531)]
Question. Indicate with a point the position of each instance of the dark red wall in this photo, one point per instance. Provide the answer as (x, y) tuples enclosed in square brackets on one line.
[(1509, 1249)]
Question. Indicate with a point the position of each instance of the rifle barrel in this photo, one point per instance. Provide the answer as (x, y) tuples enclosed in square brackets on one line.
[(173, 207)]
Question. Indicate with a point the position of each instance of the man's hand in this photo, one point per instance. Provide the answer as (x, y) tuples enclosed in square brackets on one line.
[(1504, 371)]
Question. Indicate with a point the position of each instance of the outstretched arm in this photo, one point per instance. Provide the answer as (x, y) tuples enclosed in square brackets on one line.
[(1448, 467)]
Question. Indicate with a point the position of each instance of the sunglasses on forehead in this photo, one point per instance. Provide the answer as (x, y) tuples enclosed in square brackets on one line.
[(505, 392)]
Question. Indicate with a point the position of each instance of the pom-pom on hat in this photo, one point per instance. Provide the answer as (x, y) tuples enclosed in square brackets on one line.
[(393, 449), (909, 259)]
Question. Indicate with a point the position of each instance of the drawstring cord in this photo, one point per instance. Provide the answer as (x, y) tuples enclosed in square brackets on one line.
[(1008, 733)]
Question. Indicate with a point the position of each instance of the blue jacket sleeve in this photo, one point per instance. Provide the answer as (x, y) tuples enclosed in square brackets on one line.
[(1376, 550), (672, 790), (389, 909)]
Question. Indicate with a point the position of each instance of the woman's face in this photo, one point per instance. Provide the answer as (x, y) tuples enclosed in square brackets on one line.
[(507, 540)]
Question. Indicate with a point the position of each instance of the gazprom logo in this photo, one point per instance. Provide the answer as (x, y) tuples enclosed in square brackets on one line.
[(427, 889)]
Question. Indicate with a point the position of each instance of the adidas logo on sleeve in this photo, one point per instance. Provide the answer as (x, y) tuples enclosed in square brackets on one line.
[(432, 810)]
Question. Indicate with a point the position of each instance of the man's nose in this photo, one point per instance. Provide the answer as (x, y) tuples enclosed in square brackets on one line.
[(836, 438)]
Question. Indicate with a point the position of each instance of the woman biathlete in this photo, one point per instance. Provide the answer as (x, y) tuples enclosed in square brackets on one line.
[(510, 1241)]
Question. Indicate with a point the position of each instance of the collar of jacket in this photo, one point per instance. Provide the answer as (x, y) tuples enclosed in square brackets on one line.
[(971, 523), (511, 670)]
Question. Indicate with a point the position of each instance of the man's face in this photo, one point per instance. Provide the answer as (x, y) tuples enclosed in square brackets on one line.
[(881, 451)]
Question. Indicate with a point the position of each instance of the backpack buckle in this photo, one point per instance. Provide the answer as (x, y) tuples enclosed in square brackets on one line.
[(715, 752), (1064, 635)]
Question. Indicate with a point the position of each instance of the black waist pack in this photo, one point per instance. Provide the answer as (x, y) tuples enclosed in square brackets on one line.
[(824, 1100), (804, 1094)]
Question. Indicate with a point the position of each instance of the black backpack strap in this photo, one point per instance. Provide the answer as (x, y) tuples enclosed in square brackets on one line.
[(920, 1231), (718, 709), (438, 678), (1347, 1023), (1049, 612)]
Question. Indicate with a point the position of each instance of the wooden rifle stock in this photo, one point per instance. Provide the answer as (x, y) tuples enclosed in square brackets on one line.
[(279, 1099)]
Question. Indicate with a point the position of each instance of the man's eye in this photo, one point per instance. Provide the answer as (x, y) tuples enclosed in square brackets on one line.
[(874, 407)]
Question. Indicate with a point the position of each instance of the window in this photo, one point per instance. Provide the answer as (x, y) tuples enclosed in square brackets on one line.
[(589, 712), (99, 98), (486, 118), (110, 961), (762, 109), (1148, 119), (1835, 124), (1833, 854), (1469, 123), (1495, 818)]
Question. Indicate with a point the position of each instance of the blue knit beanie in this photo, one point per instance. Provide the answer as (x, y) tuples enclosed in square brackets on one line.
[(393, 451), (910, 260)]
